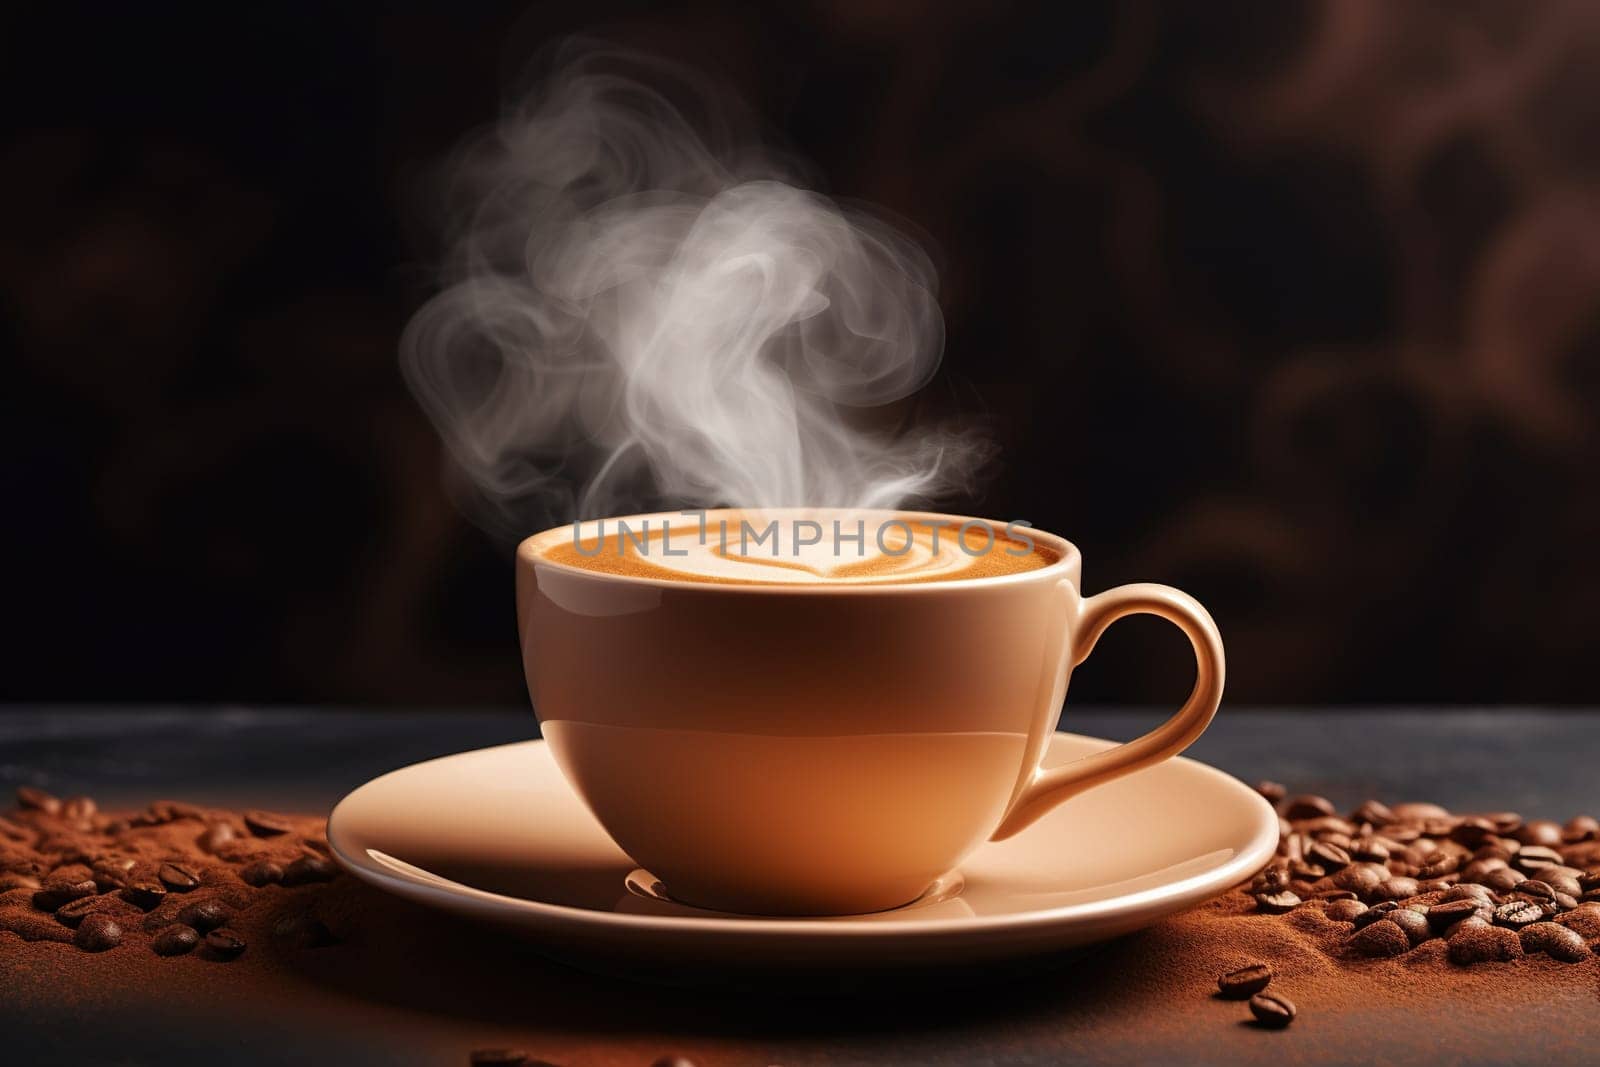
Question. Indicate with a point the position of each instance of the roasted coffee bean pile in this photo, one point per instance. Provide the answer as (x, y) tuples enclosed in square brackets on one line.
[(171, 877), (1495, 886)]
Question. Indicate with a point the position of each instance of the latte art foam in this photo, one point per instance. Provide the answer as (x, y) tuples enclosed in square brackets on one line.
[(804, 548)]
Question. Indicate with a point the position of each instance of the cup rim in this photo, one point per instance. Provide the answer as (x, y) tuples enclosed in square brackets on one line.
[(1068, 565)]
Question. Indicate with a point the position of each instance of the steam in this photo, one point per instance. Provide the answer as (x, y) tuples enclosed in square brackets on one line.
[(638, 313)]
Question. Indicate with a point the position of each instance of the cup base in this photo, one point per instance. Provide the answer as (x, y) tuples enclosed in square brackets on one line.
[(641, 883)]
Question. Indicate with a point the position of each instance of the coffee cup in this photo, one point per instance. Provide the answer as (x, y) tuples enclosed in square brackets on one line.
[(822, 730)]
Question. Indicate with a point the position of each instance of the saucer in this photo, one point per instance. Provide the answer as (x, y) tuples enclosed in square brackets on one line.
[(497, 834)]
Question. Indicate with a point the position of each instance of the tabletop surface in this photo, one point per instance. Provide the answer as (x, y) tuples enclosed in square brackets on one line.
[(1537, 762)]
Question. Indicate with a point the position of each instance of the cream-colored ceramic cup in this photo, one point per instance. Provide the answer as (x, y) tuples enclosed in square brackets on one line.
[(811, 750)]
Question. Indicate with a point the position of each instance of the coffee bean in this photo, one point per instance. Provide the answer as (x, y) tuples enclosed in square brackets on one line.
[(1373, 813), (1307, 806), (1395, 889), (74, 912), (1278, 902), (673, 1061), (308, 869), (1344, 911), (1472, 831), (1361, 878), (266, 824), (1444, 915), (1369, 849), (58, 891), (1533, 889), (1539, 832), (204, 915), (1562, 879), (1376, 912), (215, 836), (1584, 919), (1272, 1010), (96, 933), (1557, 942), (177, 879), (1589, 880), (1381, 938), (1272, 791), (145, 895), (1532, 858), (303, 930), (1413, 923), (262, 872), (1328, 856), (1470, 891), (1504, 880), (1580, 828), (225, 944), (175, 940), (1475, 942), (1419, 811), (1439, 865), (1330, 894), (31, 799), (1245, 981), (1518, 913)]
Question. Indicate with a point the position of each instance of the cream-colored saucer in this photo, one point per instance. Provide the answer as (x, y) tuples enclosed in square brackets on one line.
[(497, 834)]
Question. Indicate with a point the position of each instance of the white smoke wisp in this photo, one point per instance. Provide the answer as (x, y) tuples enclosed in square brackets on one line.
[(636, 312)]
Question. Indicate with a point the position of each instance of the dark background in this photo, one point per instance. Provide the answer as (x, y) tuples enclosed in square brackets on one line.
[(1294, 305)]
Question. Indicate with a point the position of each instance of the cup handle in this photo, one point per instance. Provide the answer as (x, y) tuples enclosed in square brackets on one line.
[(1094, 614)]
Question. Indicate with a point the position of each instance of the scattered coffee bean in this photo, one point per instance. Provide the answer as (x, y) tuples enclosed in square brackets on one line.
[(1278, 902), (31, 799), (1244, 982), (1369, 849), (1419, 811), (303, 930), (1376, 912), (1532, 858), (1439, 865), (1373, 813), (78, 809), (308, 869), (1472, 831), (204, 915), (1504, 880), (144, 895), (1307, 806), (1272, 1010), (1270, 880), (1344, 911), (175, 940), (266, 824), (1539, 832), (1395, 889), (215, 836), (74, 912), (1469, 891), (58, 891), (261, 872), (1534, 889), (1328, 856), (1475, 942), (1584, 920), (1413, 923), (1444, 915), (177, 879), (673, 1061), (1272, 791), (96, 933), (1361, 878), (1557, 942), (1580, 828), (1518, 913), (225, 944), (1381, 938)]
